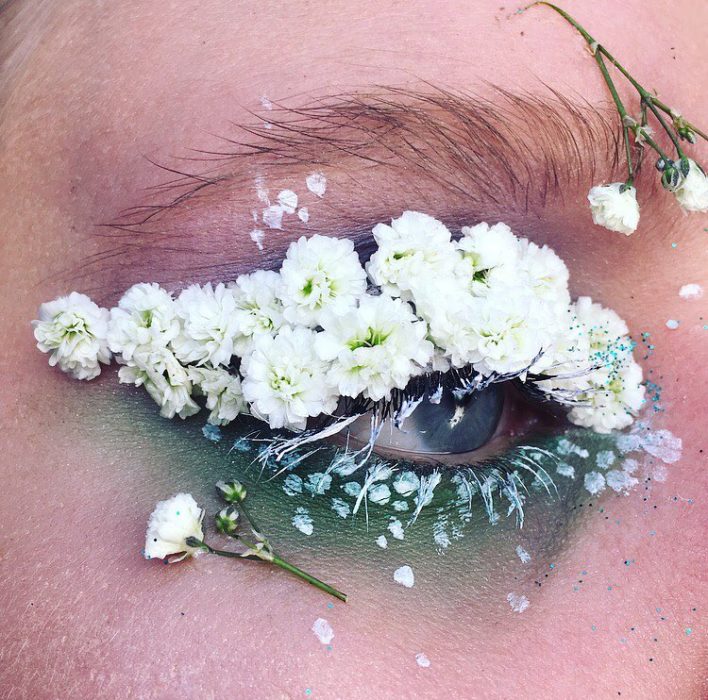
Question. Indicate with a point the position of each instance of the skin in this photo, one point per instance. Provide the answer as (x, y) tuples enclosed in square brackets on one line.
[(86, 92)]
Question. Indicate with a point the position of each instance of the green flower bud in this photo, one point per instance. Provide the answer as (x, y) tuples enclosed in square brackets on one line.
[(231, 491), (226, 520), (671, 173)]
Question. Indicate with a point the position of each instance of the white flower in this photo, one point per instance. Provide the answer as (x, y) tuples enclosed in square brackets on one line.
[(545, 273), (165, 380), (374, 348), (208, 325), (320, 274), (514, 328), (692, 192), (606, 332), (415, 248), (285, 380), (258, 307), (224, 397), (171, 523), (143, 321), (489, 255), (613, 403), (73, 329), (615, 207)]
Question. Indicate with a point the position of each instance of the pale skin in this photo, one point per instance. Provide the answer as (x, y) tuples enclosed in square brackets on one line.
[(85, 93)]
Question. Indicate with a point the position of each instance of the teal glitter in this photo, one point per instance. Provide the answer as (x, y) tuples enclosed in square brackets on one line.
[(689, 631), (674, 245), (308, 691), (552, 566)]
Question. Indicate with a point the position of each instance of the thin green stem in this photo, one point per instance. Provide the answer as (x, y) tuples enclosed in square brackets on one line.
[(267, 556), (665, 108), (663, 123)]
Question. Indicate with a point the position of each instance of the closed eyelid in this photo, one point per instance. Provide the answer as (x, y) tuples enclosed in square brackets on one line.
[(464, 159)]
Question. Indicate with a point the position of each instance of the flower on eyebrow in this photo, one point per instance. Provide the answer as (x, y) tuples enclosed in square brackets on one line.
[(614, 206), (73, 329), (320, 275)]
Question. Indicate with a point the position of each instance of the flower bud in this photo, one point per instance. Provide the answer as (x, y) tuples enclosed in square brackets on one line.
[(671, 175), (226, 520), (683, 129), (231, 491)]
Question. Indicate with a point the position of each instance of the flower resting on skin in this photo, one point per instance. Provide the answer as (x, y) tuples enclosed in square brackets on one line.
[(174, 532), (73, 329), (224, 396), (171, 524), (320, 275), (615, 207), (692, 192), (285, 381), (374, 348)]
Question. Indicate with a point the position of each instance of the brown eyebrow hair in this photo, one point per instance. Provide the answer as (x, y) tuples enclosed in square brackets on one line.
[(463, 157)]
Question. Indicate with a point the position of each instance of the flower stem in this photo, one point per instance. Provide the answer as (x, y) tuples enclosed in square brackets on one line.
[(645, 95), (267, 556)]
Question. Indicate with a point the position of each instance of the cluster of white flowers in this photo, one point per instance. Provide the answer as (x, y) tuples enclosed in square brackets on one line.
[(171, 524), (285, 346)]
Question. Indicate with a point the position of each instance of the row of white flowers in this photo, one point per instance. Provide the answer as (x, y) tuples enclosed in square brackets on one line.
[(285, 346)]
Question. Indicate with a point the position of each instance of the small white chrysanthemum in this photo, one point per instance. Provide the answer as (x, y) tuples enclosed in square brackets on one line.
[(224, 396), (285, 381), (375, 348), (545, 274), (320, 274), (692, 192), (143, 321), (165, 380), (258, 307), (490, 255), (615, 207), (73, 329), (208, 325), (171, 523), (614, 403), (415, 248)]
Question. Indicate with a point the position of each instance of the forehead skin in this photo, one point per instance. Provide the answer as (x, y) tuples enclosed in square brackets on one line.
[(88, 92)]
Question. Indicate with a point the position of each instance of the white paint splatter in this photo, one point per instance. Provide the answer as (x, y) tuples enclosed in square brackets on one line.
[(288, 201), (303, 522), (341, 507), (352, 488), (273, 216), (659, 473), (523, 554), (620, 482), (262, 190), (594, 482), (317, 184), (303, 213), (266, 103), (257, 237), (318, 483), (565, 469), (292, 484), (406, 484), (396, 528), (605, 459), (379, 494), (566, 447), (404, 576), (400, 506), (691, 291), (518, 603), (422, 660), (630, 465), (672, 324), (323, 630), (663, 445), (381, 541), (442, 539)]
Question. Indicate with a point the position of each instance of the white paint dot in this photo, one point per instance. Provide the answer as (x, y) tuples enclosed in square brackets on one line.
[(381, 541), (518, 603), (323, 630), (288, 201), (691, 291), (317, 184), (273, 216), (303, 213), (672, 324), (257, 237), (594, 482), (404, 576), (523, 554), (422, 660)]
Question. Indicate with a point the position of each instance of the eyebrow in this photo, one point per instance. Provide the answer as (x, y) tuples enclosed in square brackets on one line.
[(460, 157)]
